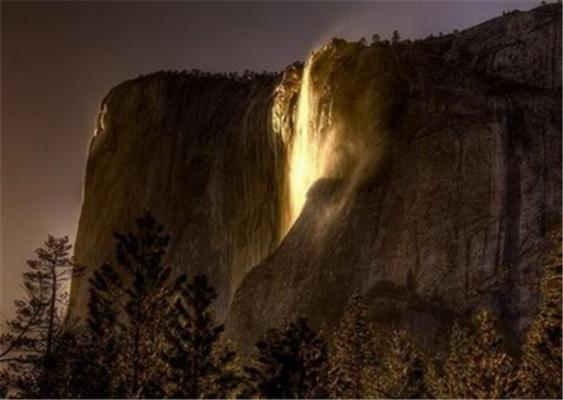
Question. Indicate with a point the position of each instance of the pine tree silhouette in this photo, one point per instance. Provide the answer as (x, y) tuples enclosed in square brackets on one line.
[(127, 306), (292, 362), (31, 345), (200, 364), (97, 370)]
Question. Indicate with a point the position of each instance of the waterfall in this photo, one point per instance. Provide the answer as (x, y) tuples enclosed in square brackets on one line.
[(328, 116), (304, 164), (308, 145)]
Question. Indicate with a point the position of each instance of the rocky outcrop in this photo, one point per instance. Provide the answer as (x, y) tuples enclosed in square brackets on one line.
[(437, 175)]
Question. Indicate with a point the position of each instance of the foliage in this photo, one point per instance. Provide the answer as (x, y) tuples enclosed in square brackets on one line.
[(148, 336), (401, 372), (200, 364), (34, 338), (477, 364), (126, 313), (292, 362), (395, 38), (352, 358), (539, 374), (96, 374)]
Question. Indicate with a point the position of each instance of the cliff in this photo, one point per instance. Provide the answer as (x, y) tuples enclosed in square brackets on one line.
[(424, 174), (198, 151)]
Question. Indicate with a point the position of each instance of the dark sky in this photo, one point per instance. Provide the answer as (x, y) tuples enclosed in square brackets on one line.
[(59, 59)]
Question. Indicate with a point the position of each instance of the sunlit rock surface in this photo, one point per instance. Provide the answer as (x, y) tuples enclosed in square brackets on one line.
[(198, 151), (433, 172)]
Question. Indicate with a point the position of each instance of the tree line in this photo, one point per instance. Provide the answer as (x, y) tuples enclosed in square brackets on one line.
[(149, 334), (244, 77)]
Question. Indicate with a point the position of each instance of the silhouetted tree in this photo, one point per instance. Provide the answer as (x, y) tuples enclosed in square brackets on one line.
[(395, 38), (292, 362), (147, 338), (539, 375), (200, 364), (96, 372), (33, 339), (70, 348), (127, 306)]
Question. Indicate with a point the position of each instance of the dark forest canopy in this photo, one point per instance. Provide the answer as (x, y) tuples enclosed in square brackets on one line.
[(151, 335)]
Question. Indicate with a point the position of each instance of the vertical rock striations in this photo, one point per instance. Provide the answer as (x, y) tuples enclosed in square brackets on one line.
[(453, 214), (425, 174), (199, 151)]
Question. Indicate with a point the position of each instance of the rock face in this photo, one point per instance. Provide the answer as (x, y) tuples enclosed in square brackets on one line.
[(455, 216), (433, 173), (198, 151)]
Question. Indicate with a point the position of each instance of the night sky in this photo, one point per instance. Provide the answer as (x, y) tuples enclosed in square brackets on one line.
[(59, 60)]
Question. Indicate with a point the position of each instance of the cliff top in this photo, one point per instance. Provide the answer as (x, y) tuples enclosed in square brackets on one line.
[(460, 47)]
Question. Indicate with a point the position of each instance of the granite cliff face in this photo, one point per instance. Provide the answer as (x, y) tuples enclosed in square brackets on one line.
[(198, 151), (424, 174)]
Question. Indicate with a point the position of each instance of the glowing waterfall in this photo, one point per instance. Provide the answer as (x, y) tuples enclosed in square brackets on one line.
[(308, 151), (303, 168), (330, 119)]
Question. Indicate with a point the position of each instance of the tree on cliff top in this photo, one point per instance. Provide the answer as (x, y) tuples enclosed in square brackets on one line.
[(31, 346), (395, 38)]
